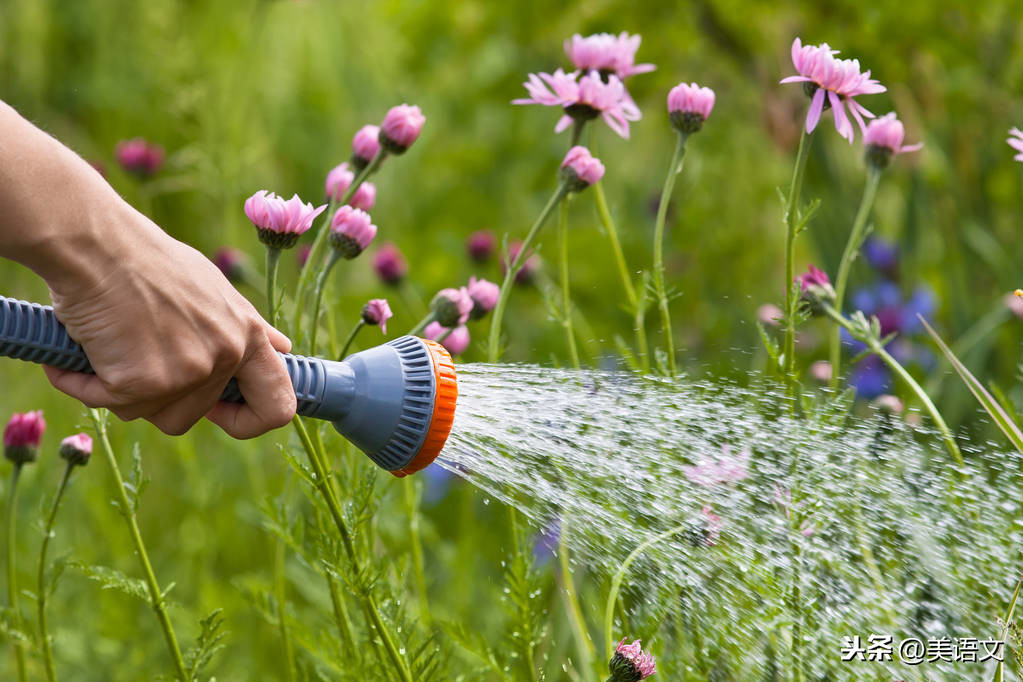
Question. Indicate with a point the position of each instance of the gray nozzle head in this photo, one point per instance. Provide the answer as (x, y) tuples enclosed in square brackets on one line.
[(395, 402)]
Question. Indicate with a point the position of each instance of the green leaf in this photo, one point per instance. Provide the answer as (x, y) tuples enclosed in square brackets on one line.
[(770, 344), (112, 579), (999, 673), (207, 643), (990, 405)]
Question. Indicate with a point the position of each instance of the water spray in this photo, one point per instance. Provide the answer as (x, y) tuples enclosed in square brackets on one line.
[(395, 402)]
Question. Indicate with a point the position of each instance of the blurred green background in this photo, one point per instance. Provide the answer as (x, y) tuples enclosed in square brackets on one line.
[(247, 95)]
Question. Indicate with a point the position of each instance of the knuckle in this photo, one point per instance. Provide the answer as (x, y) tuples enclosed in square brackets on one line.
[(230, 354)]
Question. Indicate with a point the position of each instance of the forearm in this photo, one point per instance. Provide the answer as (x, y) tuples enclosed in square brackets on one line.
[(55, 209)]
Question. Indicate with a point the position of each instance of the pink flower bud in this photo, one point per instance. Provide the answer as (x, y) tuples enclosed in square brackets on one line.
[(889, 403), (883, 140), (139, 157), (580, 169), (340, 178), (377, 312), (484, 295), (76, 449), (401, 127), (302, 255), (480, 245), (365, 146), (452, 307), (816, 288), (231, 262), (351, 231), (22, 436), (820, 370), (389, 264), (689, 106), (770, 314), (456, 342), (630, 662), (1015, 141), (529, 266)]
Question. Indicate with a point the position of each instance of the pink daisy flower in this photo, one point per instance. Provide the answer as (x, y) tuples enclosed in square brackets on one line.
[(883, 139), (583, 98), (832, 82), (607, 54), (1016, 142)]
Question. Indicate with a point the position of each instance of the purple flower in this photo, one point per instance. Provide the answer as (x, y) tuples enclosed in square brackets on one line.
[(630, 663), (452, 307), (816, 288), (377, 312), (480, 245), (870, 378), (456, 342), (389, 264), (22, 435), (401, 127), (365, 146), (881, 254), (545, 544), (580, 169), (351, 231), (76, 449), (1016, 142), (484, 296), (606, 53), (530, 264), (582, 99), (231, 262), (139, 157), (710, 472), (837, 80), (689, 106)]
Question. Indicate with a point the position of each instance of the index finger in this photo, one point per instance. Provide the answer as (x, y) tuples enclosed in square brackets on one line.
[(269, 396)]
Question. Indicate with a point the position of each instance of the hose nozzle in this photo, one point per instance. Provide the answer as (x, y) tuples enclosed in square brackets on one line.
[(395, 402)]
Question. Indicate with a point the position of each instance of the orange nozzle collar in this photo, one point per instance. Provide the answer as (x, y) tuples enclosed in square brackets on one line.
[(445, 397)]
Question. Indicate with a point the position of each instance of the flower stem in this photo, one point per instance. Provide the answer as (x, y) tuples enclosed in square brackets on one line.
[(273, 257), (662, 212), (421, 325), (41, 588), (566, 296), (99, 420), (852, 247), (12, 569), (791, 297), (281, 597), (494, 347), (351, 338), (323, 486), (875, 347), (575, 613), (321, 284), (412, 503)]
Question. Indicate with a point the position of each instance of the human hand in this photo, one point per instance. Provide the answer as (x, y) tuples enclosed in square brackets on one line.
[(165, 331)]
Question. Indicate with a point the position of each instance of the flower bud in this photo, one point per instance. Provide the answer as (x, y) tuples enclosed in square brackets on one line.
[(389, 264), (580, 169), (340, 178), (76, 449), (883, 140), (484, 296), (231, 263), (480, 245), (365, 146), (139, 157), (351, 231), (401, 127), (451, 307), (377, 312), (630, 663), (816, 288), (529, 265), (22, 436), (689, 106), (456, 342)]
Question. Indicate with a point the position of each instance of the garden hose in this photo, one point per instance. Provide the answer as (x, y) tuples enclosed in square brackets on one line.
[(395, 402)]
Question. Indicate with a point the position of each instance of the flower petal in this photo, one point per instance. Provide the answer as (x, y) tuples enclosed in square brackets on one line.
[(816, 107)]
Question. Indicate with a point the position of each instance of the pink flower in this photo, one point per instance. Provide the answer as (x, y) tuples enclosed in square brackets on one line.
[(883, 139), (452, 307), (726, 469), (302, 255), (340, 178), (351, 231), (389, 264), (769, 314), (839, 80), (22, 436), (76, 449), (583, 98), (484, 295), (689, 106), (1016, 142), (259, 209), (139, 157), (456, 342), (813, 277), (529, 265), (816, 288), (401, 127), (630, 660), (280, 223), (820, 370), (377, 312), (712, 526), (231, 262), (581, 169), (889, 403), (607, 54), (365, 146), (480, 245), (293, 216)]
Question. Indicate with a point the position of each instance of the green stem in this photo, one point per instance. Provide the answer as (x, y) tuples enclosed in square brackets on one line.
[(528, 657), (795, 603), (12, 570), (99, 421), (875, 347), (415, 539), (280, 595), (494, 348), (41, 589), (421, 325), (351, 338), (791, 299), (321, 235), (273, 258), (577, 131), (566, 295), (852, 248), (321, 284), (619, 577), (323, 486), (575, 614), (662, 213)]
